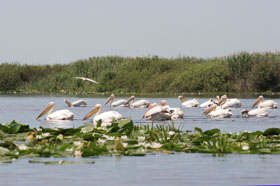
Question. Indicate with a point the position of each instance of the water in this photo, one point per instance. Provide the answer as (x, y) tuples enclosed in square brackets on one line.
[(153, 169)]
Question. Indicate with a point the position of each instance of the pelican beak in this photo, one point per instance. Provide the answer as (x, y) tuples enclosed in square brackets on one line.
[(111, 98), (130, 99), (47, 109), (151, 105), (182, 99), (93, 111), (257, 101), (68, 103), (210, 109), (222, 101), (144, 115)]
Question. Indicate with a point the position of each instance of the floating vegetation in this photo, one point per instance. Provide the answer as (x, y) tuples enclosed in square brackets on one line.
[(123, 138)]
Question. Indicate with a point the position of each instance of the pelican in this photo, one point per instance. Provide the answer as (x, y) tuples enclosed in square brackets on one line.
[(269, 104), (259, 112), (122, 102), (105, 117), (216, 112), (86, 79), (188, 103), (163, 112), (140, 104), (207, 103), (157, 113), (175, 112), (64, 114), (233, 102), (79, 103)]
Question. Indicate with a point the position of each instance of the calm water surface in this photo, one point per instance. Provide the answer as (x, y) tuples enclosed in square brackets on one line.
[(153, 169)]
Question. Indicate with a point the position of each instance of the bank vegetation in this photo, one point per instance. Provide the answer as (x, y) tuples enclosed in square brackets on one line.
[(242, 72)]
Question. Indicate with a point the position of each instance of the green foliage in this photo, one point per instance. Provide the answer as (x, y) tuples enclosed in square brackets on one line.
[(266, 76), (236, 73), (124, 138)]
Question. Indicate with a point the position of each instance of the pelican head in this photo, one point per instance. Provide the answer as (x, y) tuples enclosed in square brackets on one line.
[(244, 113), (163, 102), (96, 109), (132, 98), (210, 109), (48, 108), (260, 98), (111, 98), (181, 98)]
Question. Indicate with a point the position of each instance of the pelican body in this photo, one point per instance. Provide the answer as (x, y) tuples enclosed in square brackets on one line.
[(268, 104), (64, 114), (105, 117), (230, 103), (140, 104), (217, 112), (163, 112), (259, 112), (119, 103), (188, 103), (157, 113), (79, 103), (206, 103)]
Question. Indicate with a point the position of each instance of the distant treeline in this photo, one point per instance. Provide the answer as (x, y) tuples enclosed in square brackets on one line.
[(243, 72)]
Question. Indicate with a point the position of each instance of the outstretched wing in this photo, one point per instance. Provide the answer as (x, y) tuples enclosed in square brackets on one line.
[(86, 79)]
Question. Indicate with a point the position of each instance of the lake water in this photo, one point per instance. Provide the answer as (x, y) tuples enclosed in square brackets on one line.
[(153, 169)]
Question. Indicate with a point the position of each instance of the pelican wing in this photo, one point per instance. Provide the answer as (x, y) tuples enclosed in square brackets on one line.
[(153, 111), (206, 103), (86, 79), (190, 103), (140, 104), (118, 103), (220, 113), (259, 112), (64, 114), (233, 103), (268, 104), (79, 103), (107, 117)]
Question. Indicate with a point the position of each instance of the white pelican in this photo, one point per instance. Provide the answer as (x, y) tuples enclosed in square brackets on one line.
[(140, 104), (157, 113), (79, 103), (64, 114), (86, 79), (175, 112), (216, 112), (188, 103), (207, 103), (232, 102), (259, 112), (163, 112), (105, 117), (122, 102), (269, 104)]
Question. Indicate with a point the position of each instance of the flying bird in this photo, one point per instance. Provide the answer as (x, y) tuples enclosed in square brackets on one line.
[(86, 79)]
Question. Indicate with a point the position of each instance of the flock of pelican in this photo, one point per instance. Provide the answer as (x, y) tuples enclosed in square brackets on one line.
[(220, 107)]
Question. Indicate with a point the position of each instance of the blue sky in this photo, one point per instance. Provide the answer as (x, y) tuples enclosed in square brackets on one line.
[(63, 31)]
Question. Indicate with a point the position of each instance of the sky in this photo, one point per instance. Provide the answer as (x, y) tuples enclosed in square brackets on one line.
[(63, 31)]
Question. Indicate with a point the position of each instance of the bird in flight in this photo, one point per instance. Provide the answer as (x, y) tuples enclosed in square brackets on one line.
[(86, 79)]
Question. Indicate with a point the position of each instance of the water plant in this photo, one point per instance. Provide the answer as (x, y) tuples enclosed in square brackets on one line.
[(124, 138)]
